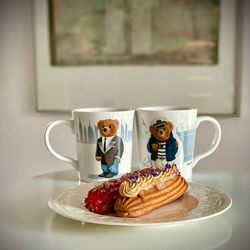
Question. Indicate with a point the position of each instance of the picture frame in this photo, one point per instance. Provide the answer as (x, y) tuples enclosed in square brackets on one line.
[(63, 88)]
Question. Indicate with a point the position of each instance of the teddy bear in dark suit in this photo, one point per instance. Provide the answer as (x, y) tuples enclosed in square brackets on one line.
[(109, 148), (162, 145)]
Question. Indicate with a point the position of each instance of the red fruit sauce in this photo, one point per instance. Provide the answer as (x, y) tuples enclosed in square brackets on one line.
[(101, 199)]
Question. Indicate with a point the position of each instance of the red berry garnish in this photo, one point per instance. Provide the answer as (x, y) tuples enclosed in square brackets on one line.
[(101, 199)]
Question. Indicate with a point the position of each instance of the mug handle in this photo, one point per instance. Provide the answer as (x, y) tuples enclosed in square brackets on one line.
[(215, 141), (72, 161)]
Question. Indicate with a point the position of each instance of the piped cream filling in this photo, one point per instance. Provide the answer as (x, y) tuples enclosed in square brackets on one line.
[(156, 178)]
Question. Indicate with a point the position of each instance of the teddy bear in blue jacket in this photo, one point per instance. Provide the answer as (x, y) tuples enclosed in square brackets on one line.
[(162, 145)]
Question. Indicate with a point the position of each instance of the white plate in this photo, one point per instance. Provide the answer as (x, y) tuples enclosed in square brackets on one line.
[(199, 203)]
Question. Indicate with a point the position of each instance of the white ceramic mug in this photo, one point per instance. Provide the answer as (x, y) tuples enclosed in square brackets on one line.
[(104, 138), (167, 134)]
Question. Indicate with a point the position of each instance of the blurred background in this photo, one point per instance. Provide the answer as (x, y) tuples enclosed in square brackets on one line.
[(22, 150)]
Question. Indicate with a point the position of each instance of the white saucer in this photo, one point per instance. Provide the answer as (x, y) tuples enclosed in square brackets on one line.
[(199, 203)]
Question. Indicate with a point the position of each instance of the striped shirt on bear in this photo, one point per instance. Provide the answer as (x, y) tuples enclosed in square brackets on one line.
[(161, 153)]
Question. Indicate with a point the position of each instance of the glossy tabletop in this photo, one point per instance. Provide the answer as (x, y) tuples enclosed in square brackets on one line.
[(28, 223)]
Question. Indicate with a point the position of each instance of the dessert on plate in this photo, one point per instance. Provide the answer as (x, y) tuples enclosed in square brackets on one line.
[(137, 193)]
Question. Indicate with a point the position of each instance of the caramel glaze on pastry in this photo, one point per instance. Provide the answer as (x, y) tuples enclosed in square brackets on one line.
[(138, 198)]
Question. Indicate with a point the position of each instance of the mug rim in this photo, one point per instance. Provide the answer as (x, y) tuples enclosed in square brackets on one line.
[(101, 110), (166, 108)]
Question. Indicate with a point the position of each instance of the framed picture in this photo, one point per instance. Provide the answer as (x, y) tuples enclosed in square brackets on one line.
[(132, 53)]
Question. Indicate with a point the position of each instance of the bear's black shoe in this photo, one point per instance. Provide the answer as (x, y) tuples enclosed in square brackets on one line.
[(102, 175), (110, 175)]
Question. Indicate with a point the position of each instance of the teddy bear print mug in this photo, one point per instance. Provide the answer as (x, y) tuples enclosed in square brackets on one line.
[(104, 138), (167, 134)]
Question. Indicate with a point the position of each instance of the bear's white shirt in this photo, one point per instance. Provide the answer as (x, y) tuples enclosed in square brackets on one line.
[(161, 152), (108, 140)]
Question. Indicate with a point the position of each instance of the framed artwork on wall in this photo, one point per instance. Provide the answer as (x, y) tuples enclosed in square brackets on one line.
[(132, 53)]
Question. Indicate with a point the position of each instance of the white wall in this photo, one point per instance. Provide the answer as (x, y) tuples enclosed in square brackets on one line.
[(22, 151)]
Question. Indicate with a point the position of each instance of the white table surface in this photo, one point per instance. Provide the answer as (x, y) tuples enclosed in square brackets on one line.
[(26, 222)]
